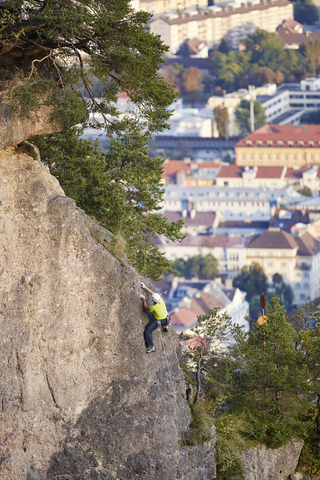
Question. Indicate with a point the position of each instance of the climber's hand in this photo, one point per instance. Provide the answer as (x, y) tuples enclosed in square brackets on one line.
[(142, 296), (142, 285)]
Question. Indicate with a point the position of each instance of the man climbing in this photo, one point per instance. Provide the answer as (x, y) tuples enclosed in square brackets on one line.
[(160, 315)]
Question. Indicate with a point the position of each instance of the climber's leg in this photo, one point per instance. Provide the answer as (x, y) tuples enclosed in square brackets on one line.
[(150, 327)]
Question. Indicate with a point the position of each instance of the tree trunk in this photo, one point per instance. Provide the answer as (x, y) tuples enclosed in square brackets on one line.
[(318, 418), (196, 398)]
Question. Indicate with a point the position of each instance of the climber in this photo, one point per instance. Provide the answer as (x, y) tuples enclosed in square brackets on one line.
[(160, 315)]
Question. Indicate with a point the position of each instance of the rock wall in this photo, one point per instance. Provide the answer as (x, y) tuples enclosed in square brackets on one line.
[(262, 463), (15, 128), (79, 397)]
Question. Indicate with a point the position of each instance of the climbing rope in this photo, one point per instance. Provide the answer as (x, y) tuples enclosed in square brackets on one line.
[(173, 391)]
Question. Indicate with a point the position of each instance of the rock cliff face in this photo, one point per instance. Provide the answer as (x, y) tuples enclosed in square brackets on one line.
[(15, 128), (262, 463), (79, 397)]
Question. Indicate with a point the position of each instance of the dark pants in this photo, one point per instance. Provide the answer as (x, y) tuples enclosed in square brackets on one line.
[(150, 327)]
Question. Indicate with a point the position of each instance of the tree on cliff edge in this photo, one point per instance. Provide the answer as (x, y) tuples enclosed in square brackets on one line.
[(60, 49)]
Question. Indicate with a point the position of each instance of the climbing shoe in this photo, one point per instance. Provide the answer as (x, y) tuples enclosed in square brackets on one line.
[(151, 349)]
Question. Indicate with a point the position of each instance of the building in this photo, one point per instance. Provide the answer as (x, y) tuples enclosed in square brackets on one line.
[(237, 176), (186, 299), (160, 7), (283, 105), (296, 258), (250, 204), (190, 174), (232, 21), (190, 122), (288, 218), (195, 223), (292, 35), (229, 251), (273, 145)]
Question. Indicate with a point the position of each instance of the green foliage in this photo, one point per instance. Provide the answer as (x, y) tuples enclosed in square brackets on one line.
[(242, 115), (61, 47), (252, 280), (283, 291), (200, 426), (306, 191), (311, 117), (229, 447), (198, 266), (265, 60), (271, 380), (119, 189), (221, 116), (306, 12)]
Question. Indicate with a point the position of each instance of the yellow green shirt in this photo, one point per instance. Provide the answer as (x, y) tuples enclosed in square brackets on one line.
[(159, 310)]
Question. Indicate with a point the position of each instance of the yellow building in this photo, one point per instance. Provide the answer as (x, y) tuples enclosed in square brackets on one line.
[(290, 145)]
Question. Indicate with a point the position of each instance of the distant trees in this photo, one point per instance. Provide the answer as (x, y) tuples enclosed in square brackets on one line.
[(311, 117), (242, 114), (306, 12), (283, 290), (192, 83), (221, 116), (306, 191), (252, 280), (197, 266), (265, 60)]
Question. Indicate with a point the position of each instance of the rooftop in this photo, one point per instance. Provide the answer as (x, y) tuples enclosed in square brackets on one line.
[(200, 218), (275, 238), (271, 135)]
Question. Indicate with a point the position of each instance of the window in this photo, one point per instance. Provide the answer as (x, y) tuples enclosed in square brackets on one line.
[(270, 264), (283, 264), (268, 156), (277, 157), (298, 286), (306, 286), (242, 156), (260, 156), (290, 143)]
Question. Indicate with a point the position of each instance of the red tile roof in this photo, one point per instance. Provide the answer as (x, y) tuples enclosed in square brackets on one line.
[(230, 171), (172, 167), (208, 165), (184, 317), (286, 133), (272, 238), (195, 342), (201, 218), (294, 173), (236, 171), (269, 172)]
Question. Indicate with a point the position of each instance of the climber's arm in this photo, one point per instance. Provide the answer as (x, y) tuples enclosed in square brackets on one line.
[(145, 306)]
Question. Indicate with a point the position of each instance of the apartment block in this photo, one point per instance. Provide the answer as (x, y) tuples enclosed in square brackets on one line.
[(232, 21), (273, 145), (296, 258)]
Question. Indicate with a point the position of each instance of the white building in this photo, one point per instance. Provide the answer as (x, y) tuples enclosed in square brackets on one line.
[(282, 106), (229, 251), (252, 204), (232, 21), (186, 299)]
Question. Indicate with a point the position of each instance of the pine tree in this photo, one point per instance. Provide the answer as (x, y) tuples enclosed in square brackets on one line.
[(271, 381), (120, 189)]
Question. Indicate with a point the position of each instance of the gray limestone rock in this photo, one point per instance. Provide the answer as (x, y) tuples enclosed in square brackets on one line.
[(15, 127), (262, 463), (79, 397)]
